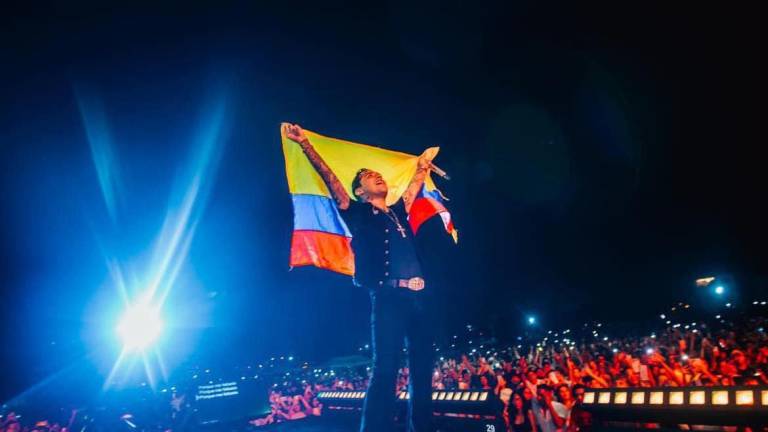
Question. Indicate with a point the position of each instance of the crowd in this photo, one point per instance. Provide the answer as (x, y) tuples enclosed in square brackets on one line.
[(540, 380), (295, 397), (287, 407), (12, 423), (695, 357), (541, 388)]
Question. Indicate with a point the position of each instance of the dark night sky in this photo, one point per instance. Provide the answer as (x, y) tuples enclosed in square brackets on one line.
[(603, 156)]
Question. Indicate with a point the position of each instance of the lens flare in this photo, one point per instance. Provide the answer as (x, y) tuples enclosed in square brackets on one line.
[(140, 327)]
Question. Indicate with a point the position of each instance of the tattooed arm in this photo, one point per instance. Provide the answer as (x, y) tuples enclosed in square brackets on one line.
[(296, 134)]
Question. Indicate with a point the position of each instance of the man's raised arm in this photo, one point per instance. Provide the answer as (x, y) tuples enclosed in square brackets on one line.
[(296, 134), (416, 183)]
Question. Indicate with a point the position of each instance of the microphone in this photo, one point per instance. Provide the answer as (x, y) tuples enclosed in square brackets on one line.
[(439, 172)]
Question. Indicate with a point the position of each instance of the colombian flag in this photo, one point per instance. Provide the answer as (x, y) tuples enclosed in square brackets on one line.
[(427, 204), (320, 236)]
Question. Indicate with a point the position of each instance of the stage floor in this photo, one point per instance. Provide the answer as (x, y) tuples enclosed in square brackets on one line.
[(315, 425), (351, 423), (299, 427), (305, 425)]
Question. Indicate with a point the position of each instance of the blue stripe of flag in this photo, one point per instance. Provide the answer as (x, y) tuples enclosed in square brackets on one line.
[(435, 195), (318, 213)]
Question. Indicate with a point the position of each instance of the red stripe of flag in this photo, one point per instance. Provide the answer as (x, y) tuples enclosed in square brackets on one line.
[(321, 249)]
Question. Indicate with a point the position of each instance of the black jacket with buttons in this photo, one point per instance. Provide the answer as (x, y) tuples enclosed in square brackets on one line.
[(369, 240)]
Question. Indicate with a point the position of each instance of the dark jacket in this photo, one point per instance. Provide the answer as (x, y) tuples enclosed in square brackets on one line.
[(369, 240)]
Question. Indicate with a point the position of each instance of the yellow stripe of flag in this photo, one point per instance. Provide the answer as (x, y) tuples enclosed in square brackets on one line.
[(345, 158)]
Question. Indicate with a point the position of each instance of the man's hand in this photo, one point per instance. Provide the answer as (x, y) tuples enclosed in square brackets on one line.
[(424, 163), (422, 169), (294, 132)]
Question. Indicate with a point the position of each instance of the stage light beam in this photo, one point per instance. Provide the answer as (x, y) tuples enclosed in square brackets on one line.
[(140, 327)]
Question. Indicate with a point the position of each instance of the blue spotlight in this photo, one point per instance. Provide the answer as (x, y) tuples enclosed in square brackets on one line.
[(719, 290), (531, 320), (139, 327)]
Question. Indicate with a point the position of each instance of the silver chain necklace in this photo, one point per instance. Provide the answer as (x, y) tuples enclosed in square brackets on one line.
[(393, 217)]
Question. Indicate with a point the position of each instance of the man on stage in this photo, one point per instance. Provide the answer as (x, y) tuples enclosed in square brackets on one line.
[(387, 264)]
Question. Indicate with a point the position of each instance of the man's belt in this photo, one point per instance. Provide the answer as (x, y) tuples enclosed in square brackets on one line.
[(413, 284)]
